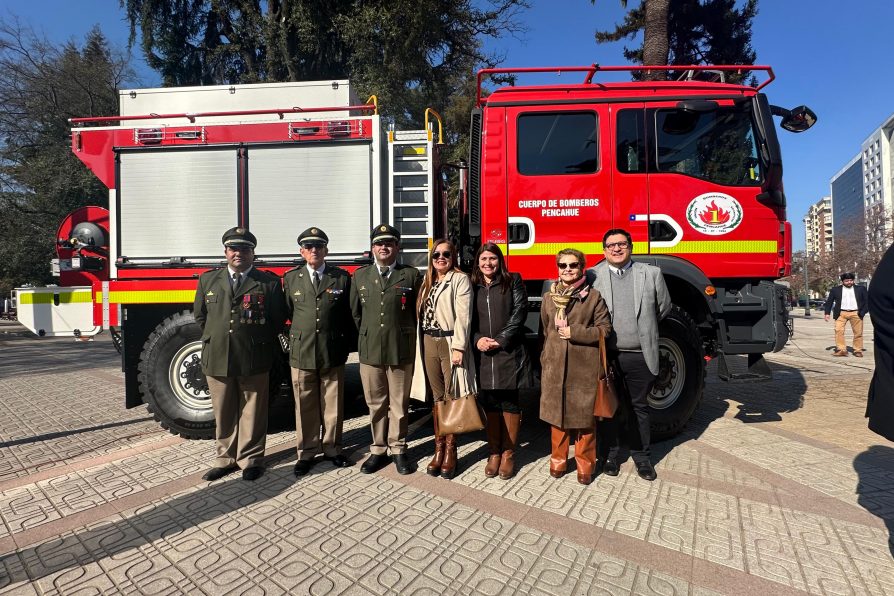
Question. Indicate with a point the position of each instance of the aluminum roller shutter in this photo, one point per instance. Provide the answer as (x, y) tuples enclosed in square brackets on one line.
[(294, 188), (176, 203)]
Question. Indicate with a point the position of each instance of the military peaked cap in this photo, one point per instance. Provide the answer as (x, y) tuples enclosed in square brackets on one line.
[(239, 237), (384, 232), (313, 236)]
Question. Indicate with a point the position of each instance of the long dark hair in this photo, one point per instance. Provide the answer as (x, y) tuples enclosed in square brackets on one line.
[(502, 272)]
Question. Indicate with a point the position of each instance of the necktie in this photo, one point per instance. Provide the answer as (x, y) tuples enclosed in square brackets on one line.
[(620, 273), (237, 279), (316, 280), (384, 271)]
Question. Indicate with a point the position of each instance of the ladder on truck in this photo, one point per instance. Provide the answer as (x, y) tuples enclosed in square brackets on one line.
[(411, 159)]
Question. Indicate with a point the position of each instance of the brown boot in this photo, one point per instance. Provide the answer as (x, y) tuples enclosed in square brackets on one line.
[(511, 423), (434, 467), (448, 467), (494, 430), (558, 458)]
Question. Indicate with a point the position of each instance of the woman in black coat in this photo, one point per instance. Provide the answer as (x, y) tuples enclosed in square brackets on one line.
[(499, 309), (880, 408)]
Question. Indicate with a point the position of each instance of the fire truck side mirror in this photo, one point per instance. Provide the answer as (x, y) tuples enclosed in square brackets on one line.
[(798, 119)]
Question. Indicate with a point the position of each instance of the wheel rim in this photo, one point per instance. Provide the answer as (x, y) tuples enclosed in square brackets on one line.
[(671, 375), (187, 381)]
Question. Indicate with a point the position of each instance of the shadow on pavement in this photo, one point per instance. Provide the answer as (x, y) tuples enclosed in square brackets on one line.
[(874, 492), (159, 521), (27, 355)]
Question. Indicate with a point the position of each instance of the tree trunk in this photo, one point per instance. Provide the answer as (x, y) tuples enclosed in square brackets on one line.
[(655, 42)]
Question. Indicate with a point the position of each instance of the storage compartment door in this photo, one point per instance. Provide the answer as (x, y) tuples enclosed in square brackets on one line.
[(176, 203), (293, 188)]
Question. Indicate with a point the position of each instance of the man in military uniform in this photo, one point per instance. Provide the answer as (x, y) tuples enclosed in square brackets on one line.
[(240, 310), (322, 334), (383, 300)]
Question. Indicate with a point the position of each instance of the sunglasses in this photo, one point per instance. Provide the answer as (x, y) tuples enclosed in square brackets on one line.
[(437, 255), (313, 246), (564, 266)]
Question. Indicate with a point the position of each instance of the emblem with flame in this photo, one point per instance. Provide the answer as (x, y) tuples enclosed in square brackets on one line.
[(714, 213)]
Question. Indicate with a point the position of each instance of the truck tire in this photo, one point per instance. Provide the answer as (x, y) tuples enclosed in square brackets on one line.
[(171, 379), (681, 377)]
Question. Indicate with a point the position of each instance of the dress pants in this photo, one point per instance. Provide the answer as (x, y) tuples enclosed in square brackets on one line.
[(852, 317), (387, 393), (631, 432), (319, 401), (240, 412), (437, 364)]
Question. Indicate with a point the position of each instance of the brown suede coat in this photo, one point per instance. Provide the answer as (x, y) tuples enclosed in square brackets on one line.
[(570, 367)]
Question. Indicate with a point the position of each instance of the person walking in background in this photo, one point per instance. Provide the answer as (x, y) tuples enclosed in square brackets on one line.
[(444, 307), (880, 404), (637, 299), (241, 311), (499, 309), (848, 304), (321, 336), (572, 319), (383, 302)]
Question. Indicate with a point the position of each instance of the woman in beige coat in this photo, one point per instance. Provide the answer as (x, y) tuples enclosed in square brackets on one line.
[(444, 306), (573, 317)]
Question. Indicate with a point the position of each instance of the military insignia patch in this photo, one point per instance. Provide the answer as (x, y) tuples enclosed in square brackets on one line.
[(314, 231), (240, 231), (210, 294), (383, 229)]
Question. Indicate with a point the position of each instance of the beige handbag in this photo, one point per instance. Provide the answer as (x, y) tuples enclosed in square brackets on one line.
[(459, 411)]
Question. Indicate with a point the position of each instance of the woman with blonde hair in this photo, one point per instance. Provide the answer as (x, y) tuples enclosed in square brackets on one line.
[(573, 317), (443, 307)]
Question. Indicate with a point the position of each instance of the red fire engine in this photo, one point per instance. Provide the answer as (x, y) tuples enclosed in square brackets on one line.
[(691, 168)]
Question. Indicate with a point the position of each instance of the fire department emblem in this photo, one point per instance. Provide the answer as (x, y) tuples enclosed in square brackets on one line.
[(714, 213)]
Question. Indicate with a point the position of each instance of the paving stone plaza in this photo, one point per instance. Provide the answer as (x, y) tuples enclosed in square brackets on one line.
[(774, 488)]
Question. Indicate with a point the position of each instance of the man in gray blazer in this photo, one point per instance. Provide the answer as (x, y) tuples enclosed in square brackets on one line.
[(637, 299)]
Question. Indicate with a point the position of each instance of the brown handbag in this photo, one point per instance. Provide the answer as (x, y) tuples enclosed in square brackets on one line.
[(458, 414), (606, 393)]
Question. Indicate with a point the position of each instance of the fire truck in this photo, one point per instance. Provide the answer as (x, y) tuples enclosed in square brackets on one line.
[(692, 168)]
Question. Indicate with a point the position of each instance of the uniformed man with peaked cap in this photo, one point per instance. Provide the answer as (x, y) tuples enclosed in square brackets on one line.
[(321, 336), (241, 311), (383, 301)]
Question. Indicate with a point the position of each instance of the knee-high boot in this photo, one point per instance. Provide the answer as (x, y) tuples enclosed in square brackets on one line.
[(448, 466), (494, 430), (558, 459), (511, 424), (434, 467)]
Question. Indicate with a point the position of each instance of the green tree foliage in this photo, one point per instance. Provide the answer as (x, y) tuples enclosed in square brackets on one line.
[(698, 32), (411, 54), (41, 86)]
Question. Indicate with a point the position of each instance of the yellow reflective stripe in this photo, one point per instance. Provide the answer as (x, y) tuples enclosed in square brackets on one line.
[(719, 246), (65, 297), (148, 297), (683, 247)]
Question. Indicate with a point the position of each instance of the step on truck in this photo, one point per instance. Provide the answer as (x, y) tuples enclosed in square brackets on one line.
[(692, 168)]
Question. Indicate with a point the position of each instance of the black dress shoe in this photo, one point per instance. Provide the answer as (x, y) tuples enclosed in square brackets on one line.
[(646, 471), (611, 468), (253, 473), (302, 467), (402, 464), (374, 463), (217, 473), (339, 461)]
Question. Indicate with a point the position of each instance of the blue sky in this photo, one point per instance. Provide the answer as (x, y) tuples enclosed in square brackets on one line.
[(832, 56)]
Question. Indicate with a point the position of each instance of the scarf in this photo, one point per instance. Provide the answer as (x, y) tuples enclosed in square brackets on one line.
[(561, 297)]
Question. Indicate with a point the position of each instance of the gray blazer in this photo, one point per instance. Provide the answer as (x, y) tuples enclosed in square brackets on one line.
[(650, 298)]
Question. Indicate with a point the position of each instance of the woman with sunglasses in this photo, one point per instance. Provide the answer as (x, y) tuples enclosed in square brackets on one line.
[(573, 317), (443, 307), (500, 306)]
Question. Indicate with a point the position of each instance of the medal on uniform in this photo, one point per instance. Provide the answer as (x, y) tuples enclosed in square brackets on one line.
[(403, 301)]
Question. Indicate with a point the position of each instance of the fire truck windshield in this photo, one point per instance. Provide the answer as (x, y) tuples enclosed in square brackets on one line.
[(717, 145)]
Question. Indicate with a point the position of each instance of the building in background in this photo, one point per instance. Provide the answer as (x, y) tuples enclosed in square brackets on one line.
[(848, 214), (877, 183), (818, 227)]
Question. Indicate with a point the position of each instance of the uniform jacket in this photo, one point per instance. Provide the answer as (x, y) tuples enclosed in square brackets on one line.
[(833, 301), (322, 332), (239, 333), (453, 305), (880, 405), (501, 316), (570, 367), (385, 315), (650, 299)]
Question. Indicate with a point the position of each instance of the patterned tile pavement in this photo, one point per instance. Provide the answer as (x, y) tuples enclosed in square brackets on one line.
[(774, 488)]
